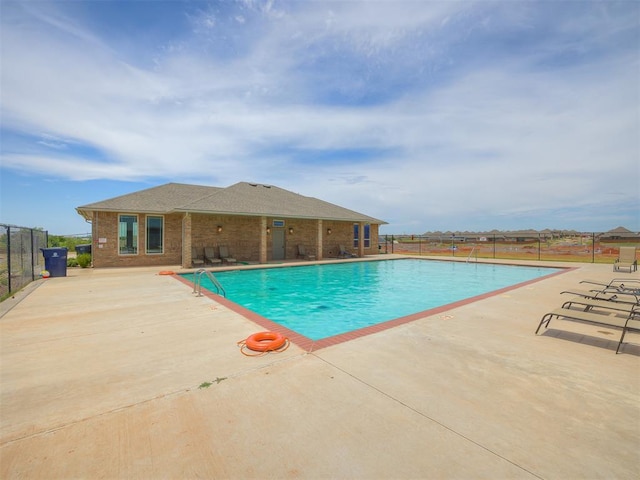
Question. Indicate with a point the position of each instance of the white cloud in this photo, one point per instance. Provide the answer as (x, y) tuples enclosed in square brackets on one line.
[(456, 137)]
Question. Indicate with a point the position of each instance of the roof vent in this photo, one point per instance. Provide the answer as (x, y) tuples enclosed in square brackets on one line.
[(266, 186)]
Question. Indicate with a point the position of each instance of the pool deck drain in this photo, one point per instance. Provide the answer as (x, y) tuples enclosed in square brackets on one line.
[(100, 374)]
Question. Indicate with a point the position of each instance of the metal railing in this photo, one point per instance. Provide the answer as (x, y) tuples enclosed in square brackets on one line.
[(590, 247), (197, 282), (20, 258), (471, 253)]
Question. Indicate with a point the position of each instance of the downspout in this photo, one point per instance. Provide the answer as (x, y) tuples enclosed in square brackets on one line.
[(263, 255), (184, 239), (94, 239), (319, 240)]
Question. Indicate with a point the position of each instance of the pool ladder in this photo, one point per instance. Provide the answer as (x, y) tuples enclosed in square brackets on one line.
[(197, 282), (471, 253)]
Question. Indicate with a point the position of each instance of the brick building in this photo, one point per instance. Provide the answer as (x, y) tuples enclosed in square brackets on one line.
[(257, 223)]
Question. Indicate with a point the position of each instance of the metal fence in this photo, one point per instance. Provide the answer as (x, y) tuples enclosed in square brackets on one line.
[(591, 247), (20, 258)]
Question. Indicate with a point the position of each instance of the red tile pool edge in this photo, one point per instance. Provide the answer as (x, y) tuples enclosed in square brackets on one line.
[(312, 345)]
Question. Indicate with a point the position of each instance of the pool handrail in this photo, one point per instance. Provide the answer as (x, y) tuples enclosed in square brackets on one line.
[(197, 280)]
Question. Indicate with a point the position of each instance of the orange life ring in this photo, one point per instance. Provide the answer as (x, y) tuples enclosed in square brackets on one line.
[(265, 341), (167, 272)]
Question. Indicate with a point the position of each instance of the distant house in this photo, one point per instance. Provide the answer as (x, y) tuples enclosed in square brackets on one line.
[(619, 234), (257, 223)]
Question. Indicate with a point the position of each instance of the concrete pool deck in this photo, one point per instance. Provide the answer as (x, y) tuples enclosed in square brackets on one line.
[(123, 373)]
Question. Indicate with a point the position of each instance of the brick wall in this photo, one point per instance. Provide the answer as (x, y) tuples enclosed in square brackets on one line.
[(241, 234), (105, 253)]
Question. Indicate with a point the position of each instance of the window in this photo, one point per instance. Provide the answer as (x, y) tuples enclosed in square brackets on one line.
[(367, 235), (128, 235), (155, 230)]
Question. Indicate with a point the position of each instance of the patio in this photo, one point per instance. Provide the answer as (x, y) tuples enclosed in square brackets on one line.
[(123, 373)]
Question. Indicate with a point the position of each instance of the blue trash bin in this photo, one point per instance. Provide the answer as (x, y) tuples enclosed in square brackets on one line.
[(55, 261), (80, 249)]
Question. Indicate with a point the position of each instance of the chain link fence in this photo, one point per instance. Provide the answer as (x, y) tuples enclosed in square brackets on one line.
[(589, 247), (20, 258)]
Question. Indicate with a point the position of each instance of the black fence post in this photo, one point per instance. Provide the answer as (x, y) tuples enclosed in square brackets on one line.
[(9, 259), (538, 247), (33, 257)]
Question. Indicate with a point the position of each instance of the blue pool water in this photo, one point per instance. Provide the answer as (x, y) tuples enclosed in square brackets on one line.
[(320, 301)]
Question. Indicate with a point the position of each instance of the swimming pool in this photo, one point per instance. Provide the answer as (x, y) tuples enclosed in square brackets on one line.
[(320, 301)]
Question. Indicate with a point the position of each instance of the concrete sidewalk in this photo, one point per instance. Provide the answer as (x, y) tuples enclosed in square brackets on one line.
[(122, 373)]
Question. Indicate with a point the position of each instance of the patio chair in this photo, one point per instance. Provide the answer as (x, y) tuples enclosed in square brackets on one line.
[(628, 286), (607, 317), (302, 253), (588, 304), (626, 259), (614, 283), (343, 253), (225, 256), (196, 258), (610, 295), (210, 256)]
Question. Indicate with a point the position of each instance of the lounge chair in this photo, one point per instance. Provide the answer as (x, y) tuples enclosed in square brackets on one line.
[(342, 252), (225, 256), (589, 304), (626, 259), (210, 256), (613, 296), (618, 283), (302, 253), (609, 318), (196, 258), (616, 286)]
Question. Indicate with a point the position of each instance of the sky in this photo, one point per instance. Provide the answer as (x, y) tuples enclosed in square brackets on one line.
[(430, 115)]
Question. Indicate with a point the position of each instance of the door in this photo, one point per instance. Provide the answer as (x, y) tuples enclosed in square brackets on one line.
[(278, 243)]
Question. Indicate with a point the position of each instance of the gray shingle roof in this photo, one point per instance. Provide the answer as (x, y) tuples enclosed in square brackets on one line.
[(240, 199), (161, 199), (621, 230)]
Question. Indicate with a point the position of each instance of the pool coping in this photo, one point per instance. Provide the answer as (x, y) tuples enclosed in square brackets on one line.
[(311, 345)]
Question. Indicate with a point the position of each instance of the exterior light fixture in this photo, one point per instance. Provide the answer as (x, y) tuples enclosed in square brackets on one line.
[(268, 230), (290, 230), (219, 229), (328, 231)]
